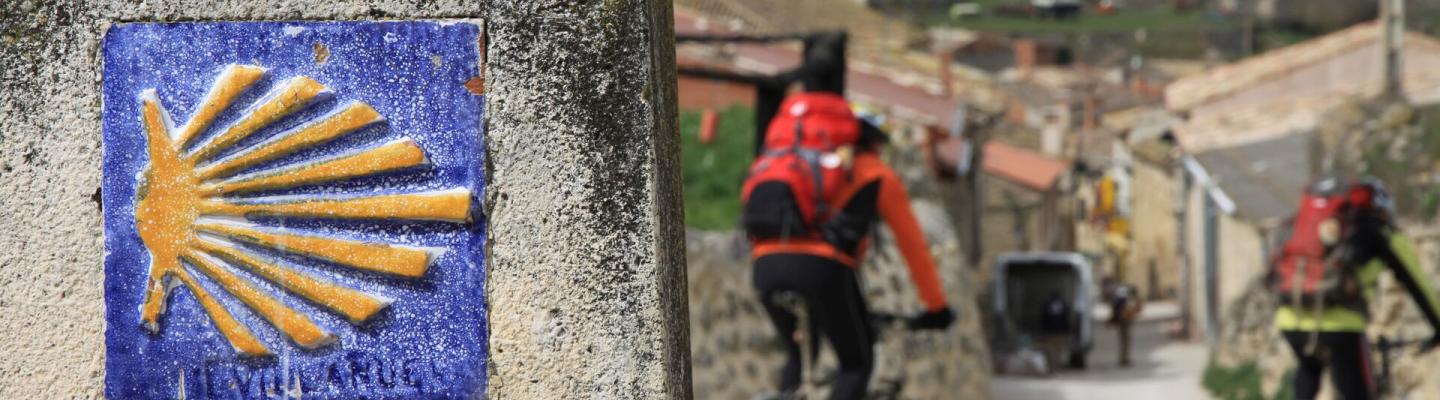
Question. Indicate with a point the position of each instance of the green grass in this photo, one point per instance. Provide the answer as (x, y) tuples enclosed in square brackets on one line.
[(714, 172), (1271, 39), (1242, 383), (1430, 142), (986, 4), (1086, 22), (1430, 128)]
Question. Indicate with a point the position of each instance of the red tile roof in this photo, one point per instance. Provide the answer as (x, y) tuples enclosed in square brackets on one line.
[(862, 85), (1025, 167)]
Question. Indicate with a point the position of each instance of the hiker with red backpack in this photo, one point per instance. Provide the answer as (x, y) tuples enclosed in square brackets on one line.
[(1324, 275), (810, 203)]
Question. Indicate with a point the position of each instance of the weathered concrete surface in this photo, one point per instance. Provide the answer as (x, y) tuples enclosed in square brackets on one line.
[(1151, 264), (606, 287), (587, 279), (51, 310)]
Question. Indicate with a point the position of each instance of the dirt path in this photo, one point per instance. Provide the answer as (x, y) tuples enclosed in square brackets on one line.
[(1162, 368)]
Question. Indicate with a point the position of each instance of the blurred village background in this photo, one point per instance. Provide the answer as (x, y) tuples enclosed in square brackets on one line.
[(1205, 117)]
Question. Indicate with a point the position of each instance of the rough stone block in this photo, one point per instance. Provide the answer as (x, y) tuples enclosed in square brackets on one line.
[(586, 242)]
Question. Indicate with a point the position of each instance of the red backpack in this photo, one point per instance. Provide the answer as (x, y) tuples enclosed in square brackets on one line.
[(799, 173), (1313, 268)]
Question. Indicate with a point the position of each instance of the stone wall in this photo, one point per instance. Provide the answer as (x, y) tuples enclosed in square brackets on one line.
[(50, 231), (1015, 218), (585, 264), (1242, 259), (594, 86), (1397, 316), (1152, 265), (736, 353), (1241, 250)]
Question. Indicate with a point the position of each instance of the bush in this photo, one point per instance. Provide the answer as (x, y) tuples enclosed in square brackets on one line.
[(1242, 383), (714, 172)]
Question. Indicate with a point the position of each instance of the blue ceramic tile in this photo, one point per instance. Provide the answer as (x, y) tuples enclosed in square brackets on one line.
[(298, 215)]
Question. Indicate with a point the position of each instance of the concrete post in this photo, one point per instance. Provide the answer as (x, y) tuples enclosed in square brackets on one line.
[(586, 236), (1392, 21), (1212, 270), (1182, 239)]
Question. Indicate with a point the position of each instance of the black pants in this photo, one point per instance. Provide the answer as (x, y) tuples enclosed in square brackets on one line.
[(833, 300), (1346, 354)]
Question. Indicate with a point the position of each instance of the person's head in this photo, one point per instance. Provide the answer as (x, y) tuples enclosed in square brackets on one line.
[(871, 137), (1365, 194), (1369, 192)]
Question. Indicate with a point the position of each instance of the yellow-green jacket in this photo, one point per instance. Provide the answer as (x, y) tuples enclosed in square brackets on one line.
[(1395, 253)]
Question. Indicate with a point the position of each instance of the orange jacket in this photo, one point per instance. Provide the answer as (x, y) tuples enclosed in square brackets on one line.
[(893, 206)]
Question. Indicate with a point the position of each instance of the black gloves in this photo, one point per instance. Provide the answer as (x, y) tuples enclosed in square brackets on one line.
[(935, 320)]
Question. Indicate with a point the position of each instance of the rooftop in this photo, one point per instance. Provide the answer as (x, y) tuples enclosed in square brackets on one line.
[(1422, 82), (1265, 179), (879, 65), (1028, 168), (1287, 91), (1244, 126)]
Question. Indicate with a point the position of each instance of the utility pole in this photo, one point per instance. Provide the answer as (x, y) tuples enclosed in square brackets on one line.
[(1247, 45), (1392, 22), (1212, 267), (969, 171)]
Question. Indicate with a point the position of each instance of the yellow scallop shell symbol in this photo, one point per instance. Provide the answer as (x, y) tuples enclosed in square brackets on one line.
[(192, 217)]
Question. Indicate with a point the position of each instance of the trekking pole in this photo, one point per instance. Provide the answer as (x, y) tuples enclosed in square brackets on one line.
[(1384, 381)]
